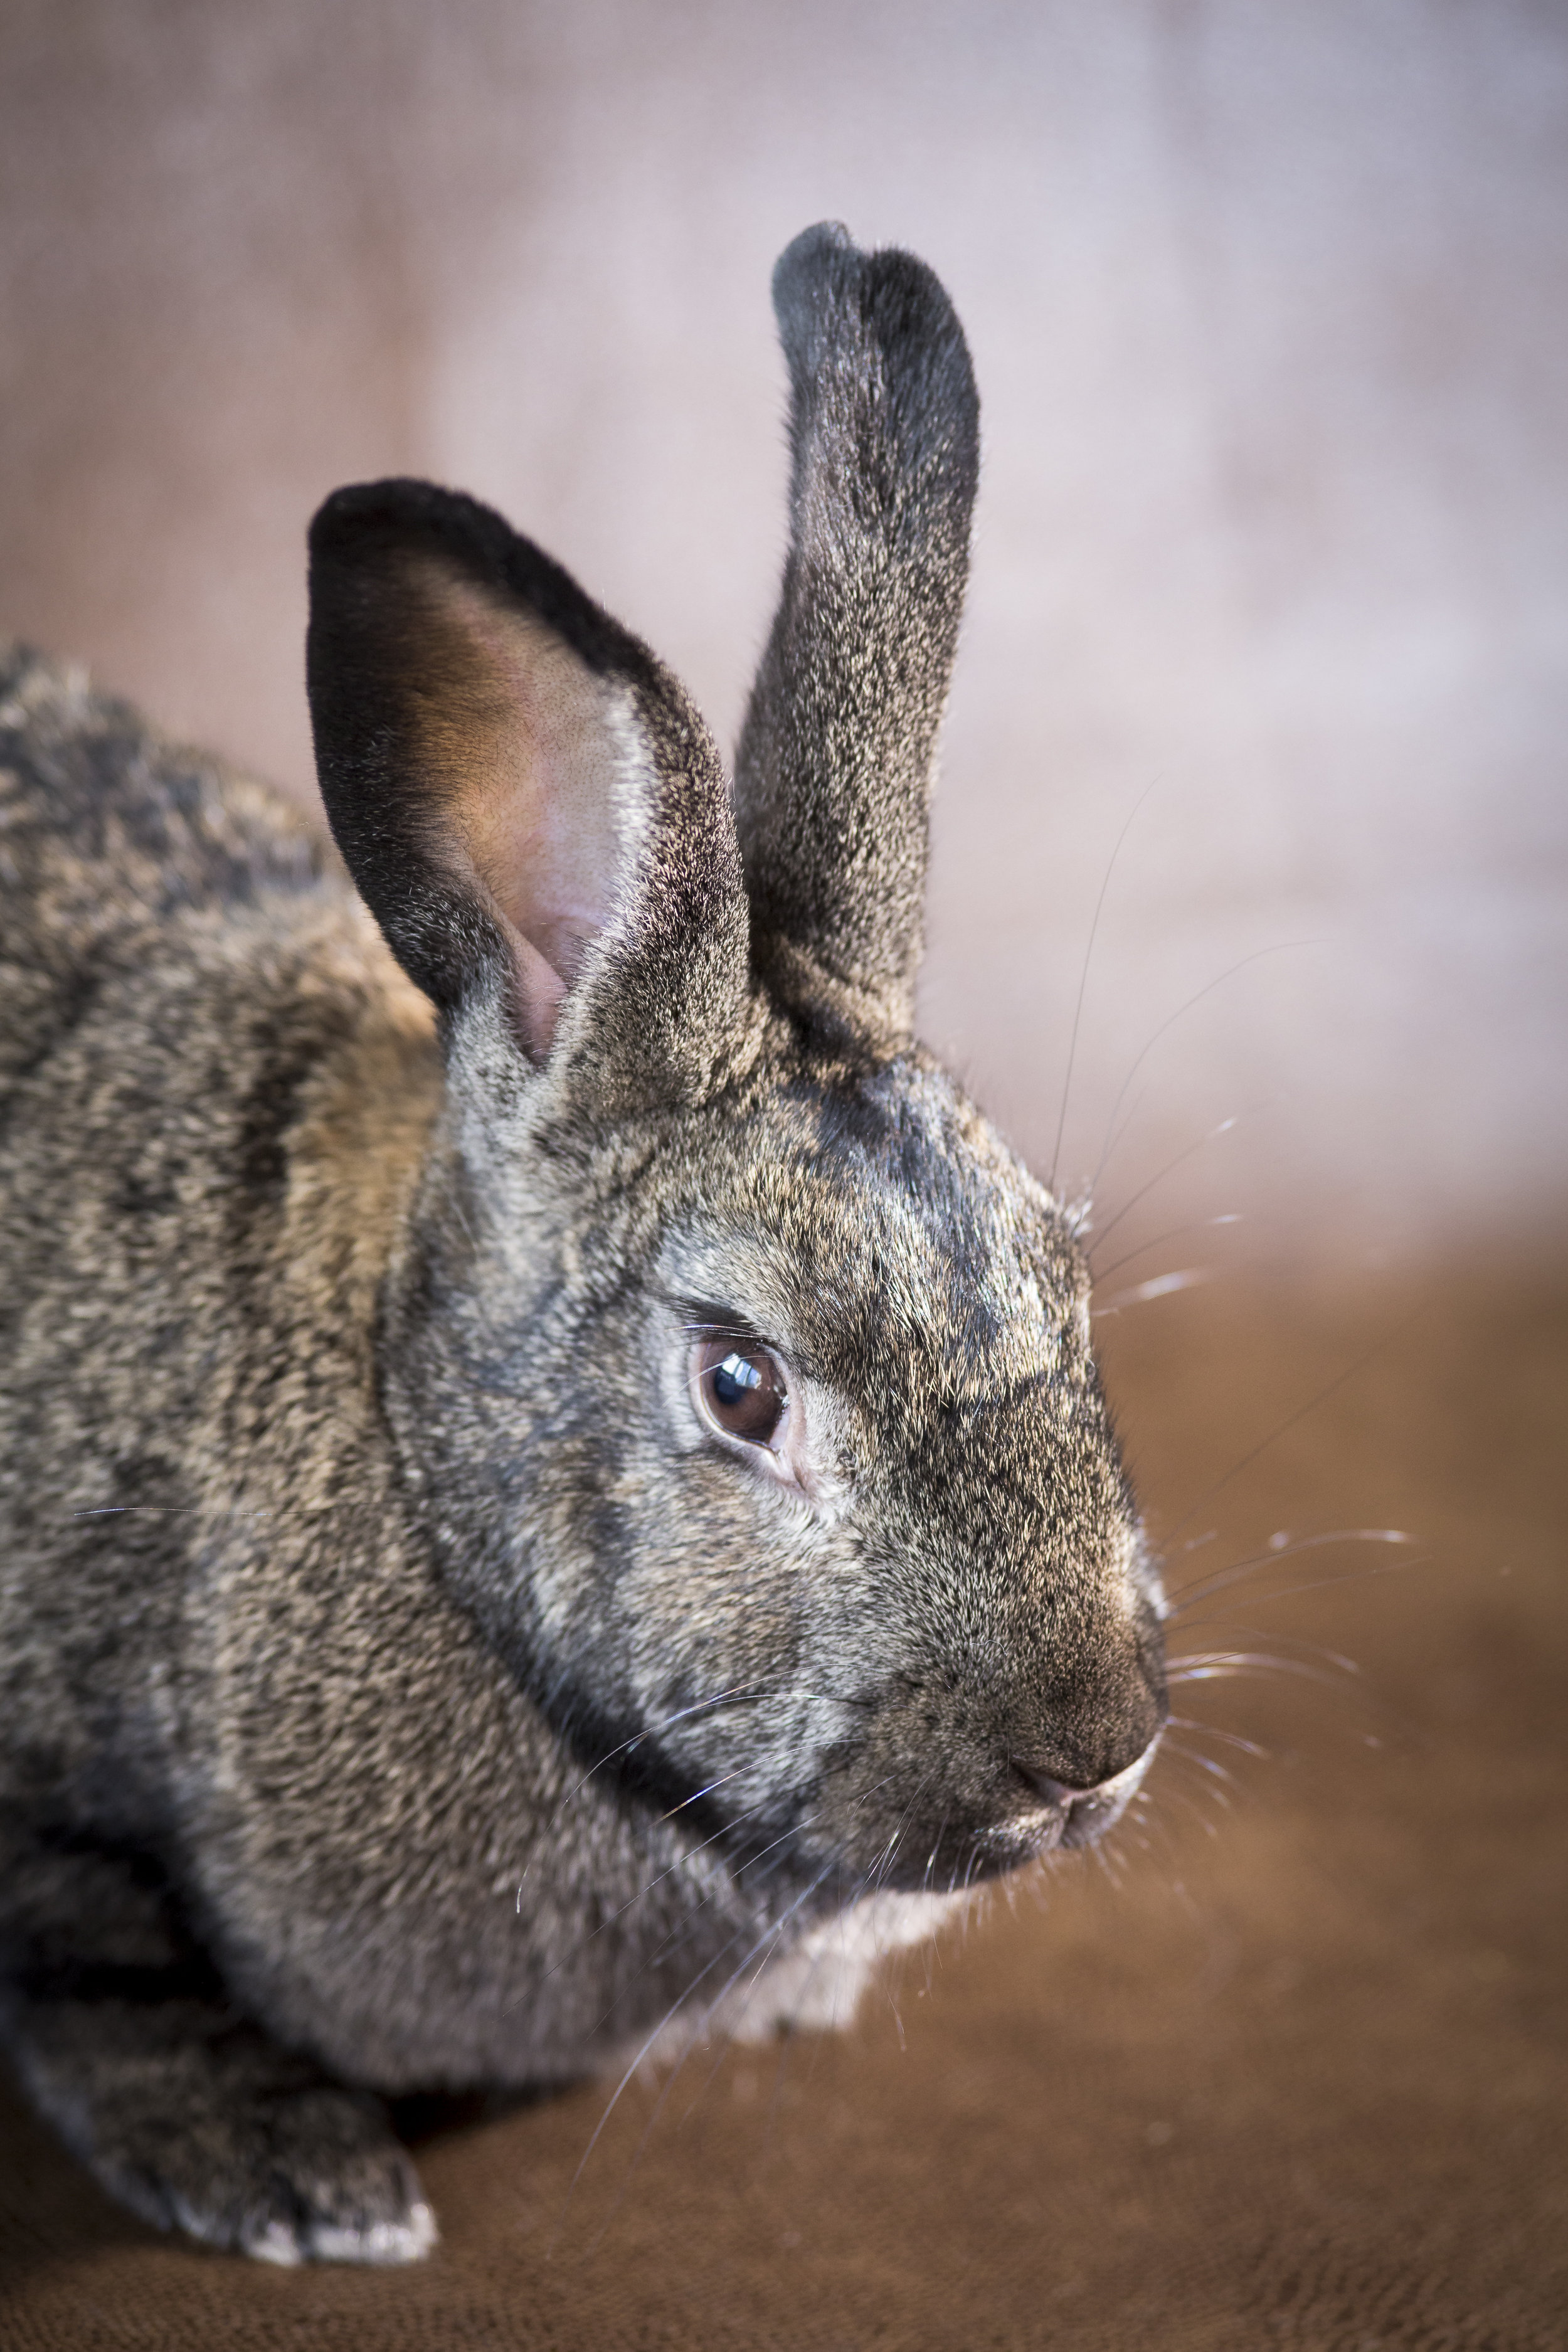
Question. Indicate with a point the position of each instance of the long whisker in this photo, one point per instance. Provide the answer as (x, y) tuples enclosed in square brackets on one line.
[(771, 1934), (679, 2002), (1300, 1413), (1226, 1665), (1213, 1731), (1202, 1588), (739, 1692), (786, 1838), (1284, 1640), (673, 1870), (188, 1511), (1201, 1764), (1179, 1796), (1317, 1584), (1159, 1286), (1278, 947), (1348, 1575), (724, 1832), (1295, 1642), (1169, 1169), (1083, 976), (751, 1993), (1175, 1233), (698, 1794), (876, 1875), (724, 2047)]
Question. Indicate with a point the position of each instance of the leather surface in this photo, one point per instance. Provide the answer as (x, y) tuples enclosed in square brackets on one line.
[(1299, 2081)]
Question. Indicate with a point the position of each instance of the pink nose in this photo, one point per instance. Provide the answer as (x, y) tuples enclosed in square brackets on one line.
[(1087, 1812)]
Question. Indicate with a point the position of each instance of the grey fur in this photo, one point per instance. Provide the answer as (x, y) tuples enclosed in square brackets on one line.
[(833, 774), (400, 1685)]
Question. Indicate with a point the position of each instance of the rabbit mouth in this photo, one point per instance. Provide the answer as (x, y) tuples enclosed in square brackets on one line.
[(964, 1846), (1069, 1817), (1053, 1817)]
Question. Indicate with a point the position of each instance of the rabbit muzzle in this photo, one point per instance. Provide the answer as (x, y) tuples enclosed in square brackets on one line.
[(973, 1767)]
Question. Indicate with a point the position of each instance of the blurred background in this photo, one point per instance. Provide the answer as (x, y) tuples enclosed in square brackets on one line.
[(1270, 313), (1265, 661)]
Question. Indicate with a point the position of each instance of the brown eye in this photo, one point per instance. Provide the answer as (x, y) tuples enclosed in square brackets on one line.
[(742, 1390)]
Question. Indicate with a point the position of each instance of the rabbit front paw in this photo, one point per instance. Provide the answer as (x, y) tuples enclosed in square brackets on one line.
[(200, 2123)]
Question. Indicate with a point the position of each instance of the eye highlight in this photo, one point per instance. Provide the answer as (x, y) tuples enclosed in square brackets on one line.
[(741, 1391)]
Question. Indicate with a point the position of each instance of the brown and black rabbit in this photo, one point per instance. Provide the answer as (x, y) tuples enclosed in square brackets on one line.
[(555, 1494)]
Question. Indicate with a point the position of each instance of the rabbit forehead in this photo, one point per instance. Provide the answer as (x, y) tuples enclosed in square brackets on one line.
[(867, 1220)]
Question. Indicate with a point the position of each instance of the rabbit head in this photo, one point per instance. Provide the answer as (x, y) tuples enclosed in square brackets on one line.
[(742, 1371)]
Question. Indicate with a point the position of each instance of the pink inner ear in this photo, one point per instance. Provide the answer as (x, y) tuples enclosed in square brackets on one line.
[(516, 731), (541, 992)]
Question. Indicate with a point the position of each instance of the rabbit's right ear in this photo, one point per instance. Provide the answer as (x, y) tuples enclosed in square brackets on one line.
[(529, 803), (833, 774)]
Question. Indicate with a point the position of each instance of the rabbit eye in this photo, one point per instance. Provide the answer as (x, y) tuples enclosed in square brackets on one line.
[(741, 1391)]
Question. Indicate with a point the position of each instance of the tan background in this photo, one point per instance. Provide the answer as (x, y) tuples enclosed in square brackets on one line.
[(1270, 308), (1270, 313)]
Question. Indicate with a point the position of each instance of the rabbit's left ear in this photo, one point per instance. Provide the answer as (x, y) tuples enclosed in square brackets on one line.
[(530, 807)]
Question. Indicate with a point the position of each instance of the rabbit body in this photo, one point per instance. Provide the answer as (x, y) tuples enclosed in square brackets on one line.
[(416, 1670)]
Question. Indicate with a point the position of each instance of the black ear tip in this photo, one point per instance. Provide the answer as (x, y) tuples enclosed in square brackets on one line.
[(363, 502), (337, 519), (805, 271), (812, 244), (833, 299), (365, 513), (362, 528)]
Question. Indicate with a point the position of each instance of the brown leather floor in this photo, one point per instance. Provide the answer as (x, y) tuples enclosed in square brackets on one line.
[(1300, 2083)]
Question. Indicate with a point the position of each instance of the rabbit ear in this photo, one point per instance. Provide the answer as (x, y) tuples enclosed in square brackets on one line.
[(833, 776), (530, 807)]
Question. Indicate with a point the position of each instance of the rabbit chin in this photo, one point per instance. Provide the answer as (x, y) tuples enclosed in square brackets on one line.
[(816, 1982), (814, 1985)]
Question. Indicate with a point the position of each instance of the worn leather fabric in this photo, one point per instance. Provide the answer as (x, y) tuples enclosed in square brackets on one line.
[(1286, 2070)]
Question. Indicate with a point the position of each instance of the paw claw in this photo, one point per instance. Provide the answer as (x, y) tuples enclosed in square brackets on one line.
[(408, 2241), (276, 2243)]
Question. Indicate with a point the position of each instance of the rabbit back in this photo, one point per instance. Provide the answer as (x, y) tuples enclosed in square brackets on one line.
[(178, 948), (110, 835)]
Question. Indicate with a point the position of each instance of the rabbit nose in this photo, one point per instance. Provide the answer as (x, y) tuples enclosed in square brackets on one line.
[(1060, 1793), (1087, 1812)]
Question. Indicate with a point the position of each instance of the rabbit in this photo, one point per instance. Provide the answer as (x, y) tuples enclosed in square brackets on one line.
[(557, 1499)]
